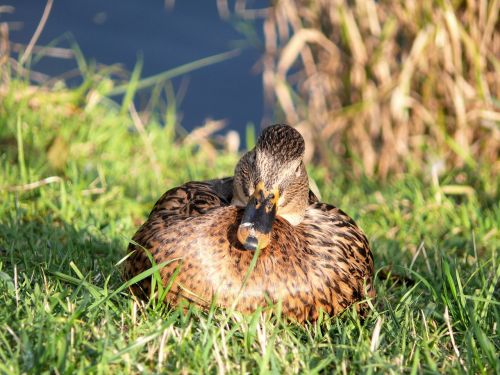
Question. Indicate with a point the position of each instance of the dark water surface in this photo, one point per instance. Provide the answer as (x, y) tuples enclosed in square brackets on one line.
[(118, 31)]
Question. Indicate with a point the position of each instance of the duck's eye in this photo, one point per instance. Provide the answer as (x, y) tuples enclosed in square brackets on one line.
[(271, 196)]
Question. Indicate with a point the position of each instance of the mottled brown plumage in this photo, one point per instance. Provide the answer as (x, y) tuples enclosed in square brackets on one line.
[(315, 257)]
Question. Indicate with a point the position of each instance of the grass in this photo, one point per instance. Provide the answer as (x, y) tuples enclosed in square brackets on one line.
[(77, 177)]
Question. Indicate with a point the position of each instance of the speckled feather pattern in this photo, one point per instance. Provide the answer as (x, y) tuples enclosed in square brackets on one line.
[(282, 141), (324, 263)]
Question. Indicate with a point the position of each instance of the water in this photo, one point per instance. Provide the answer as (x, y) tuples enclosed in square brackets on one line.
[(117, 31)]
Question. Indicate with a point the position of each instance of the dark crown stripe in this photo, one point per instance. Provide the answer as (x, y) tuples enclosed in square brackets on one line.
[(282, 141)]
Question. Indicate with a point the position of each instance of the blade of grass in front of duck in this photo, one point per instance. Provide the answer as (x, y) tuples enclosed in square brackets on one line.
[(250, 269), (157, 286), (133, 281), (170, 283)]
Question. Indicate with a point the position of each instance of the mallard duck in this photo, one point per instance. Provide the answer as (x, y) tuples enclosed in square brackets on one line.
[(312, 256)]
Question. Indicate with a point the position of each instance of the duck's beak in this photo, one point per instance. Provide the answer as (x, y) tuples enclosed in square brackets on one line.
[(257, 222)]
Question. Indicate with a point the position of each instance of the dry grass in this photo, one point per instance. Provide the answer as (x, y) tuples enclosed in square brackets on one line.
[(385, 83)]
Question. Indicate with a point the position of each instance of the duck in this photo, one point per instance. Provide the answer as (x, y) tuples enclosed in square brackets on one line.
[(312, 257)]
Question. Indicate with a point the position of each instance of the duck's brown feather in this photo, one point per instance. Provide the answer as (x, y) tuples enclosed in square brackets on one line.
[(324, 263)]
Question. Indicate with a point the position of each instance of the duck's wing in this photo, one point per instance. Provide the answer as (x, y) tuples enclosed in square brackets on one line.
[(180, 203), (342, 252), (194, 198)]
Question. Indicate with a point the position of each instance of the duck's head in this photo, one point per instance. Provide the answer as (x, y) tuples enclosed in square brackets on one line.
[(270, 180)]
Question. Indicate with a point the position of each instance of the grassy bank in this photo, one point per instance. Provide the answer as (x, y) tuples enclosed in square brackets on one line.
[(77, 179)]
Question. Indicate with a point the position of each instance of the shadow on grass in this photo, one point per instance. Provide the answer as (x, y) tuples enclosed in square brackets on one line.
[(36, 246)]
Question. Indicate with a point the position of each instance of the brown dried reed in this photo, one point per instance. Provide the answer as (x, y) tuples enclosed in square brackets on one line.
[(385, 84)]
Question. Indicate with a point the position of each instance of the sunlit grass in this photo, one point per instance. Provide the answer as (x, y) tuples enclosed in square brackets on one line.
[(76, 180)]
